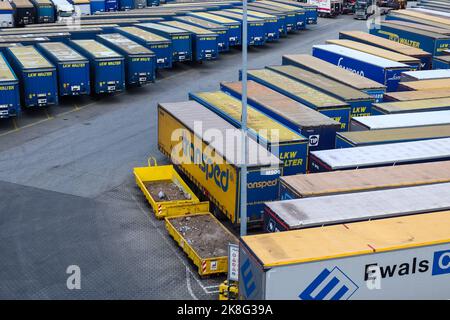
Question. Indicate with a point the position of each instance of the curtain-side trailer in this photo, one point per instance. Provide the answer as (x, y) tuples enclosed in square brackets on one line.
[(9, 90)]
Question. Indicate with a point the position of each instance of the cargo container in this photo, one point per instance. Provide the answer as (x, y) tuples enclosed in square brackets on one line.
[(256, 27), (358, 206), (204, 42), (6, 15), (359, 102), (162, 47), (140, 62), (221, 31), (395, 258), (107, 66), (234, 27), (37, 76), (111, 5), (425, 85), (441, 62), (417, 95), (24, 12), (72, 68), (82, 7), (381, 70), (45, 11), (315, 99), (364, 37), (336, 73), (431, 42), (287, 145), (380, 155), (97, 6), (291, 17), (318, 128), (425, 75), (372, 137), (181, 39), (311, 11), (271, 24), (350, 181), (414, 63), (9, 88), (303, 17), (190, 154), (424, 105)]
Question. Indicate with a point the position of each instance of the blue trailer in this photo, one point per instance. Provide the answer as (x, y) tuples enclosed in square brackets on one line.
[(162, 47), (97, 6), (431, 42), (153, 3), (107, 66), (318, 128), (287, 145), (315, 99), (359, 102), (423, 105), (111, 5), (204, 42), (281, 17), (302, 17), (125, 5), (381, 70), (72, 68), (37, 76), (234, 27), (9, 40), (290, 16), (9, 89), (222, 31), (441, 62), (256, 29), (4, 45), (45, 11), (310, 10), (181, 39), (140, 62)]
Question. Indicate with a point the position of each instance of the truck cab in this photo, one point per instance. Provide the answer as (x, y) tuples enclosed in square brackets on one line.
[(64, 10), (364, 9)]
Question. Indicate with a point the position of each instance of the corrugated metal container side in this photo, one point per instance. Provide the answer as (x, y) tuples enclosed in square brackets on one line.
[(9, 88), (381, 70), (424, 85), (37, 76), (72, 67), (107, 66), (441, 62), (364, 37), (287, 145), (291, 18), (412, 106), (162, 47), (140, 62), (324, 103), (380, 155), (333, 72), (221, 182), (425, 75), (350, 181), (359, 102), (417, 95)]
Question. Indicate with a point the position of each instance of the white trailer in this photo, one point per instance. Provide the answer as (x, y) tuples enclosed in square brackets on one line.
[(398, 258), (328, 8), (6, 15)]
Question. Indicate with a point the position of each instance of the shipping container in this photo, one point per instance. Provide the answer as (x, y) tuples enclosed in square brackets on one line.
[(37, 76), (9, 88), (396, 258), (255, 27), (425, 75), (318, 128), (431, 42), (72, 68), (425, 105), (315, 99), (107, 66), (381, 70), (302, 213), (234, 27), (380, 155), (284, 143), (350, 181), (291, 17), (24, 12), (372, 137), (204, 42), (370, 39), (414, 63), (417, 95), (359, 102), (45, 11), (441, 62), (181, 39), (311, 11), (97, 6), (303, 16), (221, 30), (111, 5), (271, 24), (140, 62), (6, 15), (425, 85), (82, 7), (162, 47), (214, 166), (336, 73)]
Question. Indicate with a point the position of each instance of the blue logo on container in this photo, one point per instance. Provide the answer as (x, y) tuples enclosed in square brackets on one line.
[(441, 262), (247, 278), (330, 285)]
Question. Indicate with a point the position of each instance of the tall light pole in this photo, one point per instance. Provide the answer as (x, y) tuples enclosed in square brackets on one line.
[(244, 146)]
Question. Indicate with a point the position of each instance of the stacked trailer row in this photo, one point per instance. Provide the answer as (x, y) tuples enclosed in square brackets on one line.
[(9, 90), (417, 95)]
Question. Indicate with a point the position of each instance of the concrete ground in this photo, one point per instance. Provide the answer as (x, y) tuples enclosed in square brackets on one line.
[(69, 196)]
